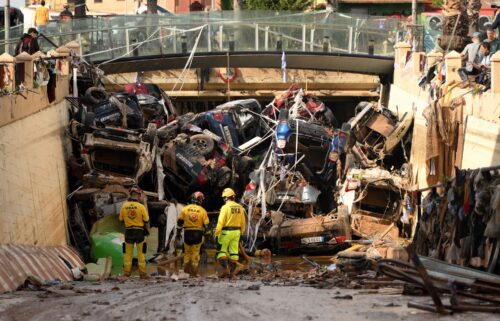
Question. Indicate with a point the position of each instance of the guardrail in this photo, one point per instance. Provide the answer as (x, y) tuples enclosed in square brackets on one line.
[(107, 38)]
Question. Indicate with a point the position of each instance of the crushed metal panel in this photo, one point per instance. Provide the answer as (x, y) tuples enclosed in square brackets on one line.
[(17, 262), (372, 227), (307, 227), (380, 124)]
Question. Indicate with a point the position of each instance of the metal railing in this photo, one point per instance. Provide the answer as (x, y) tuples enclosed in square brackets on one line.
[(106, 38)]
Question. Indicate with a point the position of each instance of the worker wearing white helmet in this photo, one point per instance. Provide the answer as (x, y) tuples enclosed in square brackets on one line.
[(230, 225)]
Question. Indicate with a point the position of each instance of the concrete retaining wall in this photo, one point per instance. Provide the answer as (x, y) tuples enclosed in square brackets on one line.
[(33, 183), (481, 118)]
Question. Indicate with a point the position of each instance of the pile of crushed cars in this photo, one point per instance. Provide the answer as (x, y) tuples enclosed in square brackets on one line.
[(309, 183)]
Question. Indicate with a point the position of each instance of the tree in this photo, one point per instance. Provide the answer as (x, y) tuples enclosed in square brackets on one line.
[(237, 5), (278, 5), (226, 4), (152, 6), (473, 7), (455, 25)]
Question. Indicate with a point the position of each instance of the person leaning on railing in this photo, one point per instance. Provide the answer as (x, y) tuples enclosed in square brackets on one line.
[(28, 42), (481, 70), (66, 15)]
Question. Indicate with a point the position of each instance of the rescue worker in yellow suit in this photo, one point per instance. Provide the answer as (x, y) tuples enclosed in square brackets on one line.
[(136, 219), (194, 220), (230, 225)]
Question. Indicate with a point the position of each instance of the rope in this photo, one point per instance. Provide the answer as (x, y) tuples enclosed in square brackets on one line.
[(130, 51), (153, 39), (189, 61)]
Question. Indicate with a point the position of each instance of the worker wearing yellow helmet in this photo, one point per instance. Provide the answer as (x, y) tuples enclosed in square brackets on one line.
[(230, 225)]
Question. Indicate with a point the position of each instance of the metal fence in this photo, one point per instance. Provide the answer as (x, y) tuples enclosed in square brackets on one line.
[(103, 38)]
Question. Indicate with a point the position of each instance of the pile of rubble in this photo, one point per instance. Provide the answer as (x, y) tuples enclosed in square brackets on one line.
[(300, 174)]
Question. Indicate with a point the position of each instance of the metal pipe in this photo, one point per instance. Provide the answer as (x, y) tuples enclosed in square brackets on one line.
[(304, 32), (256, 37), (7, 23), (174, 32), (266, 39), (414, 12), (209, 38), (127, 40), (221, 37), (311, 47), (349, 49)]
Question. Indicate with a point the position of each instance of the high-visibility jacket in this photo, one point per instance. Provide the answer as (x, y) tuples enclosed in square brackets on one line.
[(232, 215), (134, 215), (193, 217)]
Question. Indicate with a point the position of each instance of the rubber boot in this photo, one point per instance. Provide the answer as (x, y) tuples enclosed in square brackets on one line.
[(224, 272), (127, 274), (144, 275), (232, 269), (194, 271)]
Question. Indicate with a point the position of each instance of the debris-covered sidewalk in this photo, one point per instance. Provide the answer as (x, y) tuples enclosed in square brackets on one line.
[(298, 295)]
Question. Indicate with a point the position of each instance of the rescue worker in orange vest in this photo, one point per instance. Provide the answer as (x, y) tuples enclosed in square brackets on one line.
[(194, 220), (230, 225), (136, 219)]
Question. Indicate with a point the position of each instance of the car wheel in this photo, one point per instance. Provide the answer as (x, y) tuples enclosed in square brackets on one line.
[(95, 95), (223, 177), (202, 143)]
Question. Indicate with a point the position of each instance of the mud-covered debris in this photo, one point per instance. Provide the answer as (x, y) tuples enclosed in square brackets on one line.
[(253, 287)]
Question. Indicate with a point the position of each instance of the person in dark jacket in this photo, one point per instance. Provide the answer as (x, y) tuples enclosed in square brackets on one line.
[(28, 42), (66, 14)]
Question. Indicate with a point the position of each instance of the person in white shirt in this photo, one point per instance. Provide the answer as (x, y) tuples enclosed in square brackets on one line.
[(485, 65), (479, 69), (472, 53)]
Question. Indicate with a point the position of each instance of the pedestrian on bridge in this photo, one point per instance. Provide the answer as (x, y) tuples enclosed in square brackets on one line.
[(28, 42), (41, 16), (66, 15)]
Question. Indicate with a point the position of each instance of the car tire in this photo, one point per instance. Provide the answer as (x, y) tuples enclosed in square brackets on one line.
[(95, 95), (202, 143)]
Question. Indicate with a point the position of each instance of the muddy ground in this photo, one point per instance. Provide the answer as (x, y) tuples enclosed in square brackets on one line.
[(212, 299)]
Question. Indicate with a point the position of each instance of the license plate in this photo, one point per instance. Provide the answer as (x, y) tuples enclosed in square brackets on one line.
[(310, 240)]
